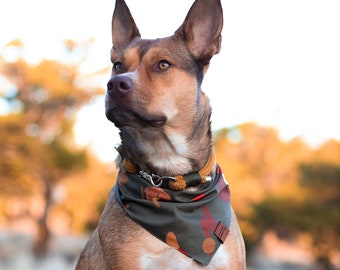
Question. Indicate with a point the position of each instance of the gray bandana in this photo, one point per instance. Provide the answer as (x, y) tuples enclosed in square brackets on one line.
[(193, 222)]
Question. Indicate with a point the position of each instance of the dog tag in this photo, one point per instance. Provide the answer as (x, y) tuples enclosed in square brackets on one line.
[(221, 231)]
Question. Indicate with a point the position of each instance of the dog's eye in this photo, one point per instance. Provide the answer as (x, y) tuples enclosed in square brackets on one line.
[(118, 66), (163, 65)]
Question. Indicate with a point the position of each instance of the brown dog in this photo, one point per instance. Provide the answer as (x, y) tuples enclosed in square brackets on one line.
[(170, 208)]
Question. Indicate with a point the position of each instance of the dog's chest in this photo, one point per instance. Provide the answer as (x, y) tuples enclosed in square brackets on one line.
[(157, 255)]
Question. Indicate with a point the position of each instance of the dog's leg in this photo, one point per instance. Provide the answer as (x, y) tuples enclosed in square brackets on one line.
[(91, 257)]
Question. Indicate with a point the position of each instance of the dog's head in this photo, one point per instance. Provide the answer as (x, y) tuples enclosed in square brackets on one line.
[(155, 84)]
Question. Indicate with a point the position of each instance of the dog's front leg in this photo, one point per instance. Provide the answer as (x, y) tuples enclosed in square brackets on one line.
[(91, 257)]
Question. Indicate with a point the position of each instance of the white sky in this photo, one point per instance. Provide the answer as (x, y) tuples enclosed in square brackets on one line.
[(279, 65)]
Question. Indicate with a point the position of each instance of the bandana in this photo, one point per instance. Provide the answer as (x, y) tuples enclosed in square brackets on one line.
[(193, 222)]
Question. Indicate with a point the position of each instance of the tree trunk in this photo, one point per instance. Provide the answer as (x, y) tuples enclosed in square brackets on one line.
[(40, 247), (323, 263)]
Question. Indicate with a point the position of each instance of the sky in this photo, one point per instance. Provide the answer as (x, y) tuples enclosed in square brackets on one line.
[(279, 65)]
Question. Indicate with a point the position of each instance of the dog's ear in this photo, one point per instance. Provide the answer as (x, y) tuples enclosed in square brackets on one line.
[(201, 29), (124, 28)]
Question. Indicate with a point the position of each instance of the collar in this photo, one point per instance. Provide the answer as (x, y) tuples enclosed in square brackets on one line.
[(178, 182), (193, 222)]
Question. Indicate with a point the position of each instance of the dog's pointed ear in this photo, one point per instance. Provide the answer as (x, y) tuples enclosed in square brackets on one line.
[(124, 28), (201, 29)]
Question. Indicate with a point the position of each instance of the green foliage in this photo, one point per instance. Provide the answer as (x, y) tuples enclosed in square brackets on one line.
[(66, 159), (37, 139), (15, 148), (320, 179), (289, 216), (315, 212)]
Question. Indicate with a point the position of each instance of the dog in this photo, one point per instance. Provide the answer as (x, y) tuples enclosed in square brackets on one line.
[(170, 207)]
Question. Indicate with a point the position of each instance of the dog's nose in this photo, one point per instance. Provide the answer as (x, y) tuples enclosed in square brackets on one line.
[(119, 85)]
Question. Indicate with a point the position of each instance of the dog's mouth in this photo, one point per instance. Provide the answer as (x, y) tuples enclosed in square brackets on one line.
[(124, 117)]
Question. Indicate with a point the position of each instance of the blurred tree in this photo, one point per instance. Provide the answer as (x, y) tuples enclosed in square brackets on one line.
[(89, 189), (321, 215), (36, 144), (316, 212)]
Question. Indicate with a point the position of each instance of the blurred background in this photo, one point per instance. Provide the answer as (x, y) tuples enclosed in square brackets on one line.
[(274, 90)]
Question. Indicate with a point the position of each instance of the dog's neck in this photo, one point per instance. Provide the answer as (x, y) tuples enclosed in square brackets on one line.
[(174, 149)]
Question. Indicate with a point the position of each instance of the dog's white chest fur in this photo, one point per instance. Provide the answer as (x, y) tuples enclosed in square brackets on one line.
[(173, 154), (158, 255)]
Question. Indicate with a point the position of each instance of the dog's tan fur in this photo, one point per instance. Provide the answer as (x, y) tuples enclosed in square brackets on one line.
[(154, 98)]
